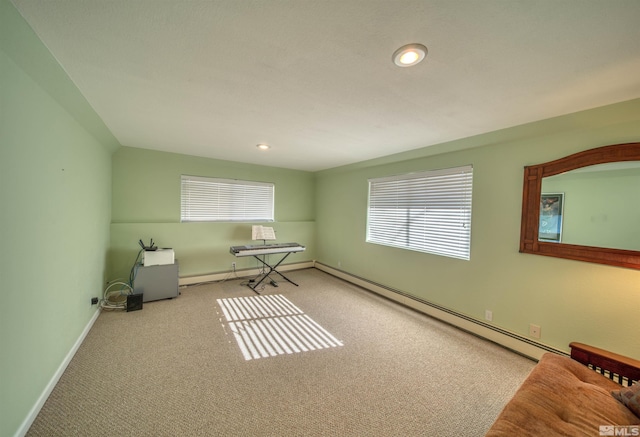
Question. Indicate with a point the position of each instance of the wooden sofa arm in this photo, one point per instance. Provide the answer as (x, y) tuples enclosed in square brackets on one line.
[(619, 368)]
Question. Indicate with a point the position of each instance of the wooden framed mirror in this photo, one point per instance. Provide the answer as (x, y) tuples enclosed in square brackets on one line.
[(573, 225)]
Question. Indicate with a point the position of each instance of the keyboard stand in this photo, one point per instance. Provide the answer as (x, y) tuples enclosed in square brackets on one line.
[(271, 269)]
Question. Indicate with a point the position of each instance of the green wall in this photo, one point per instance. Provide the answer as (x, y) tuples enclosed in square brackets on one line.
[(146, 204), (601, 208), (55, 192), (73, 211), (570, 300)]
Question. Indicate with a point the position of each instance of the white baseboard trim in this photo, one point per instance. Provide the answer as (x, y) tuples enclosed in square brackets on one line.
[(28, 421), (213, 277), (507, 339)]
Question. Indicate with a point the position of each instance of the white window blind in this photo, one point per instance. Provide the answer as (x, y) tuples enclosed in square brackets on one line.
[(213, 199), (428, 211)]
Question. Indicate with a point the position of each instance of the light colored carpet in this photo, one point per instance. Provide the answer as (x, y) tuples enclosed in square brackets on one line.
[(176, 369), (271, 325)]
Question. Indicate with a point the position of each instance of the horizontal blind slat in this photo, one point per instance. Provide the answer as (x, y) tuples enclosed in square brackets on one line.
[(216, 199), (426, 211)]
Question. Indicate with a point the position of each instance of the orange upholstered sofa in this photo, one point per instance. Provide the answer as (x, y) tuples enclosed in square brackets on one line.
[(565, 396)]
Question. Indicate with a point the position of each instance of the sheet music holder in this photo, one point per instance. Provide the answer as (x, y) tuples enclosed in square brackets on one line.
[(263, 233)]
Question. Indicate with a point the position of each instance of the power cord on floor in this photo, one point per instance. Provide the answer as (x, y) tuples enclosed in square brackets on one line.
[(116, 299), (233, 274)]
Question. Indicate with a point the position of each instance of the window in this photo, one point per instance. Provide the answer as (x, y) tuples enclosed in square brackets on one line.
[(228, 200), (428, 211)]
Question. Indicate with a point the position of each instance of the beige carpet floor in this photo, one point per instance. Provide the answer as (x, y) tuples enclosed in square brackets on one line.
[(176, 368)]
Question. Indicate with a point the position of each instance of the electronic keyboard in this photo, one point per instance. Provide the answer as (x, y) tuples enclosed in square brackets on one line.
[(265, 249)]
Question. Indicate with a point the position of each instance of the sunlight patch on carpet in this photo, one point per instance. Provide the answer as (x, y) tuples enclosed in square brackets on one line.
[(270, 325)]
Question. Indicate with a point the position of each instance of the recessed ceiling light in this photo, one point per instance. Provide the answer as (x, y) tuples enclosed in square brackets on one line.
[(263, 146), (409, 55)]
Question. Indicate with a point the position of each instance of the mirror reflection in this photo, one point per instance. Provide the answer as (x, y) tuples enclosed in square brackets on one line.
[(597, 205)]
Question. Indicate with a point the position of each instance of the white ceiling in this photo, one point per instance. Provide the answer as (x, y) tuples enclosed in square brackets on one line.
[(315, 80)]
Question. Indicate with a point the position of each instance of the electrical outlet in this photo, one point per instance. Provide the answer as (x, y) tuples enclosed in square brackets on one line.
[(94, 301), (488, 315), (233, 266), (534, 331)]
